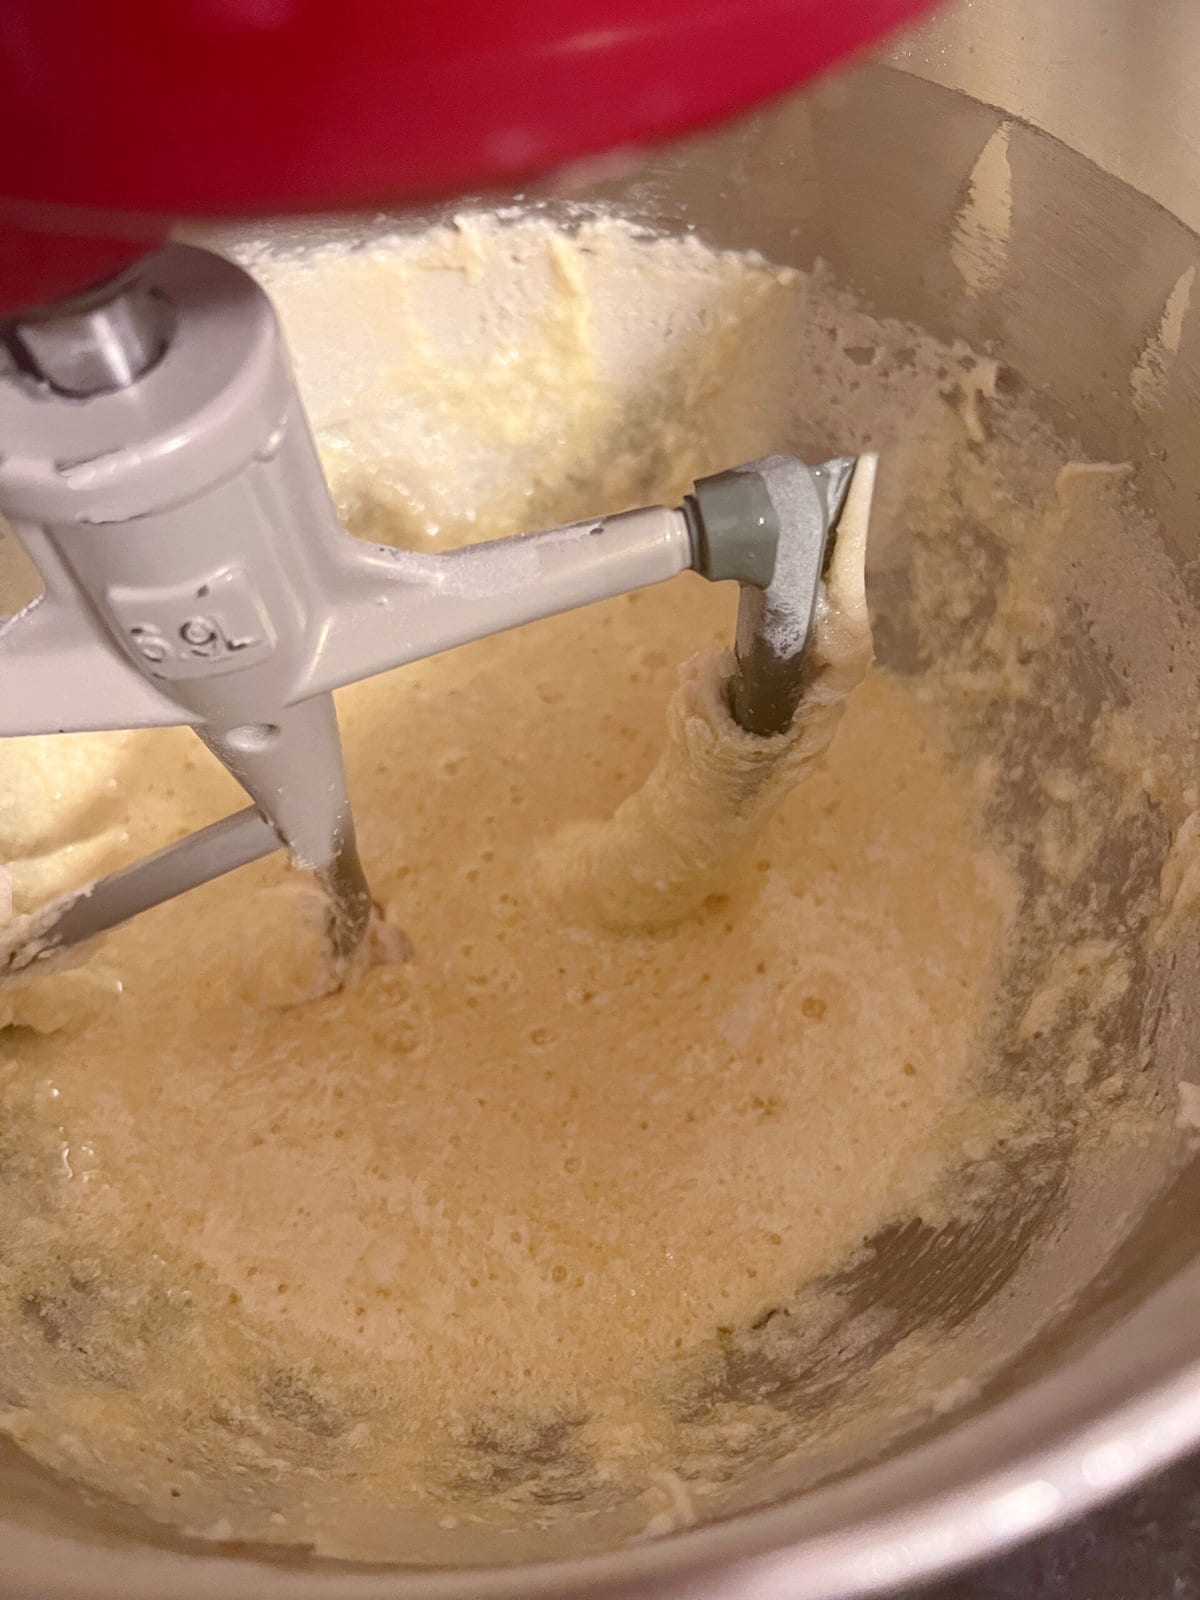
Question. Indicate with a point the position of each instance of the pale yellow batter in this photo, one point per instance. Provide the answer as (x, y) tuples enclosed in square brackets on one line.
[(455, 1244)]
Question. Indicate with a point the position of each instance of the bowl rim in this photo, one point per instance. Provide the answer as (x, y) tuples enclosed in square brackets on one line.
[(1127, 1405)]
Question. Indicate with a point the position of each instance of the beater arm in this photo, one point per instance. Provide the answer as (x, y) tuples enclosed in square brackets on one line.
[(159, 470)]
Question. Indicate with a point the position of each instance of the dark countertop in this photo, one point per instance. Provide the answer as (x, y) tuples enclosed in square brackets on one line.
[(1144, 1547)]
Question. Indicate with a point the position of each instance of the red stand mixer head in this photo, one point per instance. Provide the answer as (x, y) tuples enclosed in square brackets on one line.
[(120, 116)]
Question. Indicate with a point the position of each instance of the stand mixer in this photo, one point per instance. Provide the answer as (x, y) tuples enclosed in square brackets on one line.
[(159, 471), (121, 118)]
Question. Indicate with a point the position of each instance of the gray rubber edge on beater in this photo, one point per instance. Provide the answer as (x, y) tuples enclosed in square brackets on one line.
[(209, 853), (775, 622)]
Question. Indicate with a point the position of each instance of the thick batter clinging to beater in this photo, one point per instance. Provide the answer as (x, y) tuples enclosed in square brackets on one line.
[(686, 832)]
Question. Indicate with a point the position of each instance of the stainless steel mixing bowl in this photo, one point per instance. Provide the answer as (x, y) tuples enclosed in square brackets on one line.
[(1087, 1294)]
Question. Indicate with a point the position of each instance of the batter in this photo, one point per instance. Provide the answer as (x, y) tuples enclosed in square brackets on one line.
[(455, 1247)]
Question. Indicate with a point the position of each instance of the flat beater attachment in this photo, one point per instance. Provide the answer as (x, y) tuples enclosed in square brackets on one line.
[(159, 471)]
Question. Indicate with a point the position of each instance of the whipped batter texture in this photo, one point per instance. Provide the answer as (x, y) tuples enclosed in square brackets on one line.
[(469, 1245)]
